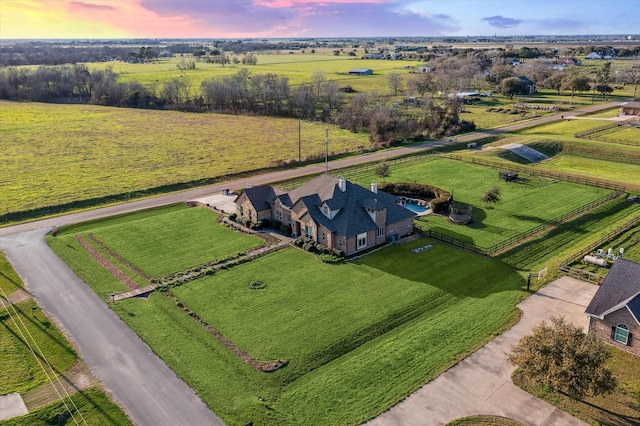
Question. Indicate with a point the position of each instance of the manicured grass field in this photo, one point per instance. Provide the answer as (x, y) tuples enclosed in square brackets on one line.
[(524, 204), (164, 240), (55, 154), (626, 134), (625, 173), (571, 237), (359, 336)]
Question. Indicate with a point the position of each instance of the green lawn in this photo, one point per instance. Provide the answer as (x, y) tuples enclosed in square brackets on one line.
[(359, 336), (94, 408), (625, 173), (571, 237), (167, 240), (24, 325), (20, 370), (524, 204), (9, 280)]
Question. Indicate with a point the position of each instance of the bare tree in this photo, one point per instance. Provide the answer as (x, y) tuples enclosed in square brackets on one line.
[(395, 82), (318, 78), (421, 84)]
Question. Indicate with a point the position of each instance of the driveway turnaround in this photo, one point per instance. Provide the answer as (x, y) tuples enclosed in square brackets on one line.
[(151, 393), (481, 383)]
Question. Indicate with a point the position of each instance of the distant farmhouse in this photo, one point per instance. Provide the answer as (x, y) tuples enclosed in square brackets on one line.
[(361, 71), (531, 86), (630, 108), (330, 211), (614, 311)]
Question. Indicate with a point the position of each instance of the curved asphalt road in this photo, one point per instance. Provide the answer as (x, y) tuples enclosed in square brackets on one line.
[(145, 386)]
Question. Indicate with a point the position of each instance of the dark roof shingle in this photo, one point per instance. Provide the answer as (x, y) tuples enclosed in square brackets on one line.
[(621, 283)]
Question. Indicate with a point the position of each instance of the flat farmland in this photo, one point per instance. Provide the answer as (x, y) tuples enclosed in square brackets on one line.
[(524, 204), (298, 68), (55, 154), (358, 336)]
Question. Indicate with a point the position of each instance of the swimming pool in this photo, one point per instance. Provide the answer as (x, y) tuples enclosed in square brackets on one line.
[(416, 208)]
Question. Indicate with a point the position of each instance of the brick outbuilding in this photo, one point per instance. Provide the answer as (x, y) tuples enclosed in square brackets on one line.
[(614, 311)]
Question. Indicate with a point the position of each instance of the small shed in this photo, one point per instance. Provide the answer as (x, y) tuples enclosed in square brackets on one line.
[(631, 108), (361, 71)]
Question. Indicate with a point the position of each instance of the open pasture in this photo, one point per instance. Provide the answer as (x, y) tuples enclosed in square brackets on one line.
[(524, 204), (359, 336), (56, 154), (166, 240), (298, 68)]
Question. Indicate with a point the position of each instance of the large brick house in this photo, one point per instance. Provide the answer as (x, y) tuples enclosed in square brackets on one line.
[(614, 311), (331, 211)]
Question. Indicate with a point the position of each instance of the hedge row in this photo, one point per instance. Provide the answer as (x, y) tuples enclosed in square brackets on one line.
[(441, 199)]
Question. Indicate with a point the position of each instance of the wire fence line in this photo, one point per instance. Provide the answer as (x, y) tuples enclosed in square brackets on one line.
[(519, 238), (598, 244), (606, 127), (537, 172)]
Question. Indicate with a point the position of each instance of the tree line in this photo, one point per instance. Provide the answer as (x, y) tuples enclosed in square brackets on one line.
[(242, 93)]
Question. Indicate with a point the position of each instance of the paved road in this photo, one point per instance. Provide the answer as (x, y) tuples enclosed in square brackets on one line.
[(140, 381), (481, 383), (149, 390)]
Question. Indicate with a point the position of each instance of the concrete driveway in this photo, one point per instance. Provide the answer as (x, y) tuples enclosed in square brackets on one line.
[(481, 384)]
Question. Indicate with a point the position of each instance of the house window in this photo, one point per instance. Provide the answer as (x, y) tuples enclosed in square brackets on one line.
[(323, 235), (621, 334), (340, 242), (279, 215), (326, 210), (381, 232), (362, 240), (308, 231)]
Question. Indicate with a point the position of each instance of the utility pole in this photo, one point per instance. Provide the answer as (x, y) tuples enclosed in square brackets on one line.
[(299, 140), (326, 151)]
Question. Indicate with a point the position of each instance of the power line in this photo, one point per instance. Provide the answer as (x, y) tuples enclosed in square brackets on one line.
[(37, 357)]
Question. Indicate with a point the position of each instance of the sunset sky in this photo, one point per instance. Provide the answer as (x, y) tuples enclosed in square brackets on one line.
[(304, 18)]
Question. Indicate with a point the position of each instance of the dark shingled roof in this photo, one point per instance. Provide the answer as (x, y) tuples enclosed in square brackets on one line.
[(261, 197), (352, 219), (634, 307), (621, 284)]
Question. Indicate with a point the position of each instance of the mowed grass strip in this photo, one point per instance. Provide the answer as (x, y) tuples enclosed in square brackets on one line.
[(361, 381), (524, 204), (9, 279), (93, 405), (20, 370), (56, 154), (167, 240), (624, 173)]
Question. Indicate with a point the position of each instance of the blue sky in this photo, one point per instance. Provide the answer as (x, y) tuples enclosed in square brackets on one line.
[(304, 18)]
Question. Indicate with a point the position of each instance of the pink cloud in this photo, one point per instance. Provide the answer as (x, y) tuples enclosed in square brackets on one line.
[(77, 5)]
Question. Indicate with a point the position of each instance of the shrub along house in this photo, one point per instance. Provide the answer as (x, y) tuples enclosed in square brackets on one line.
[(614, 311), (330, 211)]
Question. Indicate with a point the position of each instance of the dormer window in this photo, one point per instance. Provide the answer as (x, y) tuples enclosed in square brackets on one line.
[(325, 209)]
